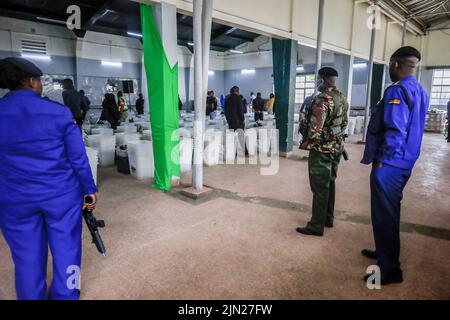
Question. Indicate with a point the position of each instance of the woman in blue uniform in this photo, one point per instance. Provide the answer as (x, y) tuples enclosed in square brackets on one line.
[(43, 177)]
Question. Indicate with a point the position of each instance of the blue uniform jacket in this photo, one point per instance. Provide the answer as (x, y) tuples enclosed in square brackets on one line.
[(41, 150), (397, 139)]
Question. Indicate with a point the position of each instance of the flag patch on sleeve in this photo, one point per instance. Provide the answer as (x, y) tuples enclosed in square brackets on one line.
[(394, 101)]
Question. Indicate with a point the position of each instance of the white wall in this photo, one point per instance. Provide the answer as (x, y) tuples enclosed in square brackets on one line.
[(437, 48)]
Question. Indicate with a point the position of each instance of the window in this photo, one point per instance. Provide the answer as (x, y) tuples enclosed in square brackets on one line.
[(440, 89), (304, 87)]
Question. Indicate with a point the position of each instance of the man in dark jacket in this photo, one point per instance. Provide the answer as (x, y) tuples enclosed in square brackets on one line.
[(110, 111), (140, 105), (235, 116), (258, 108), (72, 99), (233, 110), (211, 103), (244, 104), (85, 103)]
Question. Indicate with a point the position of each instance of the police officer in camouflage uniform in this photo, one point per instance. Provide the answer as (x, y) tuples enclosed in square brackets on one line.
[(325, 124)]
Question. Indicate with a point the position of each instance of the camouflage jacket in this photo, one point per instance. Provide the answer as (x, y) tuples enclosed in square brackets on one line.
[(327, 122)]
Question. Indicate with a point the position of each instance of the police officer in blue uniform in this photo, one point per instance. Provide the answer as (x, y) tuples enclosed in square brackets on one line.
[(43, 177), (393, 143)]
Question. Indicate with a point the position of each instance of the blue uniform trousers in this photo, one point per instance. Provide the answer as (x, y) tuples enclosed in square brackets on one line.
[(386, 186), (30, 229)]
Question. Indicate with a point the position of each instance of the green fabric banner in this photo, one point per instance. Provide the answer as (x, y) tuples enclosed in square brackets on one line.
[(162, 85)]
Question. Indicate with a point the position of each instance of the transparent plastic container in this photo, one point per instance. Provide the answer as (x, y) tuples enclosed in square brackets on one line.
[(146, 135), (105, 145), (251, 136), (127, 128), (140, 156), (93, 161), (186, 149), (211, 153), (230, 146), (123, 138), (101, 130), (351, 126)]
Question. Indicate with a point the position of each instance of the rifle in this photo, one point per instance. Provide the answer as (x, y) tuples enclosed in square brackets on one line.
[(344, 152), (93, 224)]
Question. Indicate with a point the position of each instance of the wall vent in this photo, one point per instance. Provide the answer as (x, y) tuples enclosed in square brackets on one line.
[(36, 47)]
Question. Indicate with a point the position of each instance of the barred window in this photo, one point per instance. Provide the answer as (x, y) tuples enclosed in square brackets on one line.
[(304, 87), (440, 89)]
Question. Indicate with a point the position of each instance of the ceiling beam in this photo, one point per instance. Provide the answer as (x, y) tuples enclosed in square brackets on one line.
[(13, 10)]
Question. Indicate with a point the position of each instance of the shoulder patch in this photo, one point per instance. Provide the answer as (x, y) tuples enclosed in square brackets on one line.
[(394, 101)]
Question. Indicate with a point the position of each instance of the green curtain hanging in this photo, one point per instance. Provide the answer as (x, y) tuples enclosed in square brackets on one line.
[(162, 86)]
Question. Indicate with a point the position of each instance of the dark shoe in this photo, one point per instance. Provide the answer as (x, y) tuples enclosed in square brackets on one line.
[(388, 277), (308, 232), (329, 224), (371, 254)]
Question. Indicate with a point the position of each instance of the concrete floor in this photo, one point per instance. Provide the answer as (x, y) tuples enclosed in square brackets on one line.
[(241, 243)]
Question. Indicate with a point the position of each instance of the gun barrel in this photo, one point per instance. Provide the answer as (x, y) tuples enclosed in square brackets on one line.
[(345, 155), (99, 243)]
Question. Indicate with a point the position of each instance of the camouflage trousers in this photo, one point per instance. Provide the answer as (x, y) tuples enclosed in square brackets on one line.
[(322, 169)]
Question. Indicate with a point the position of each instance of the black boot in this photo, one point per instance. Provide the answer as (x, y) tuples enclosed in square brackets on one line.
[(308, 232), (371, 254)]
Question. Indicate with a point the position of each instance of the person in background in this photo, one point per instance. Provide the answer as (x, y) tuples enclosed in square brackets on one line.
[(73, 99), (244, 104), (258, 108), (235, 116), (394, 138), (252, 97), (123, 106), (44, 176), (110, 111), (85, 104), (271, 103), (140, 105), (211, 103), (222, 103)]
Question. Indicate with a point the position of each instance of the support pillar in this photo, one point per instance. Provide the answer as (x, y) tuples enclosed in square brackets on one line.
[(319, 40), (369, 81), (350, 82), (284, 72)]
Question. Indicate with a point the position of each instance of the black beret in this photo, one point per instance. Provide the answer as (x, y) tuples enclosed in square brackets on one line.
[(24, 65), (407, 51), (328, 72)]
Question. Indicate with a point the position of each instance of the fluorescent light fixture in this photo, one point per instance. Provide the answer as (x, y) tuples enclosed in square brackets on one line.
[(36, 56), (134, 34), (306, 44), (191, 44), (210, 73), (300, 68), (359, 65), (50, 20), (248, 71), (112, 64), (236, 51)]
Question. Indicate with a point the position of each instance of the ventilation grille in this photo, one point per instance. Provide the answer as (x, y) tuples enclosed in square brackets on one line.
[(33, 47)]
